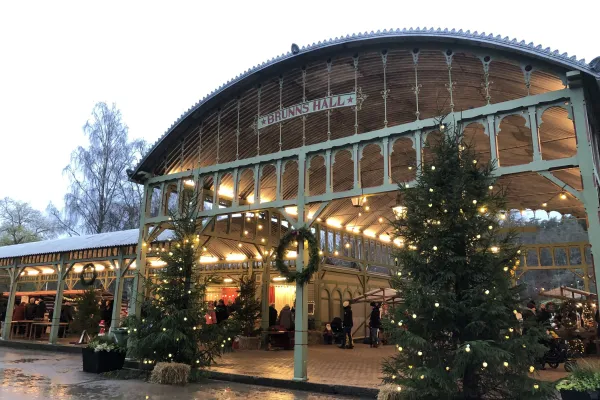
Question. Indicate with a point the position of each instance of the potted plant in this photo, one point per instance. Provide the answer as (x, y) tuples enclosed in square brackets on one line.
[(103, 354), (582, 384)]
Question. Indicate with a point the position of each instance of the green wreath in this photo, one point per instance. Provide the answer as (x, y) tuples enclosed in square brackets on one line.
[(82, 279), (304, 276)]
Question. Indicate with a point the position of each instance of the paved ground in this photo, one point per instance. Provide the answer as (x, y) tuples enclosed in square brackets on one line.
[(31, 375), (360, 366)]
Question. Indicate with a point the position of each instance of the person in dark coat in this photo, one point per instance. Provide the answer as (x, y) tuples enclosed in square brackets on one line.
[(106, 313), (30, 309), (19, 312), (347, 324), (285, 318), (40, 311), (375, 324), (221, 312), (66, 315), (272, 315)]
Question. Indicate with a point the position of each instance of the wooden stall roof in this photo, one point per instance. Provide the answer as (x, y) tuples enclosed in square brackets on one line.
[(84, 242), (53, 293)]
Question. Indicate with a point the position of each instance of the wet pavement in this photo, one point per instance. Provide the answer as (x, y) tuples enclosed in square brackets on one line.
[(35, 375)]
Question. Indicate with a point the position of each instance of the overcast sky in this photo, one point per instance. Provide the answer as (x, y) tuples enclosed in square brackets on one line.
[(156, 59)]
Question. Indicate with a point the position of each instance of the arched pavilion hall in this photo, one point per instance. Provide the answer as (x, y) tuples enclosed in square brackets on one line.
[(321, 136)]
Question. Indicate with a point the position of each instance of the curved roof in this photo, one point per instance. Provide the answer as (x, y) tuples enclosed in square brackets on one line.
[(344, 42)]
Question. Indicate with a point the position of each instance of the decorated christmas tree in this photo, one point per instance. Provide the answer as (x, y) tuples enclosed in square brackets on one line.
[(456, 333), (173, 325), (247, 307), (87, 316)]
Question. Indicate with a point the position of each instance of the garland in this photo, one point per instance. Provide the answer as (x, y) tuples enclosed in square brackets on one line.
[(304, 276), (82, 279)]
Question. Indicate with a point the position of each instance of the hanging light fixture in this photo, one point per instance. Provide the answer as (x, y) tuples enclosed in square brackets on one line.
[(358, 201)]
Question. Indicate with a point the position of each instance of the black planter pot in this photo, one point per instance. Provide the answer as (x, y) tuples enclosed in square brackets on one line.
[(102, 361), (575, 395)]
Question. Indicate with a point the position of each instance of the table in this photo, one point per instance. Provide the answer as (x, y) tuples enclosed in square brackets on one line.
[(283, 339), (16, 324), (45, 325)]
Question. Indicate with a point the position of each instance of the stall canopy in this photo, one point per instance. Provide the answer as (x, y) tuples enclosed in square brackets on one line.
[(381, 295), (52, 293), (564, 292)]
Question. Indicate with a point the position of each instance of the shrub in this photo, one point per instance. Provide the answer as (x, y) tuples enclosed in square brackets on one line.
[(170, 373), (585, 377), (105, 343)]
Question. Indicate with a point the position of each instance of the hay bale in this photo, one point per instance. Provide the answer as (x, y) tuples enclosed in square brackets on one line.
[(170, 373), (389, 392)]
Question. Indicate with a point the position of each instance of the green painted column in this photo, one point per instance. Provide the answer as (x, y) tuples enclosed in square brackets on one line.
[(137, 295), (264, 293), (10, 306), (301, 322), (586, 167), (62, 270), (118, 297)]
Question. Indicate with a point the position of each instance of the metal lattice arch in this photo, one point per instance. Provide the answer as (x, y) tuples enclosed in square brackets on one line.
[(264, 149), (297, 140)]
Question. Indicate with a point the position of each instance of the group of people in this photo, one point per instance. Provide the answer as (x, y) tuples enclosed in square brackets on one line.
[(285, 318), (35, 310), (219, 312), (346, 327)]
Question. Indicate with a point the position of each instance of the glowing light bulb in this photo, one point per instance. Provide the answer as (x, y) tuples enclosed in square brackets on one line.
[(487, 291), (433, 167), (484, 364), (437, 305), (491, 187), (531, 369), (563, 196), (544, 204), (414, 316), (506, 364), (474, 201), (434, 248), (420, 353)]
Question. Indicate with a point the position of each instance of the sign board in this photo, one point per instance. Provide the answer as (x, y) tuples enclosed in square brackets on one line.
[(308, 107)]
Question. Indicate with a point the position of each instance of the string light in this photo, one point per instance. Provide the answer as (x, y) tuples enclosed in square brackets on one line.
[(420, 353), (491, 187), (433, 167), (474, 201), (434, 248), (484, 364), (563, 196), (506, 364), (468, 348), (544, 205), (531, 369), (437, 305), (414, 316)]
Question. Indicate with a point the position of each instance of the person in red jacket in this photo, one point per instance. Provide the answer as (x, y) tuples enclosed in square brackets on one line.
[(19, 312)]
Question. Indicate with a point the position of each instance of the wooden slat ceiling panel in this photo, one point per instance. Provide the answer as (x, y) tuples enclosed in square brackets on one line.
[(467, 74)]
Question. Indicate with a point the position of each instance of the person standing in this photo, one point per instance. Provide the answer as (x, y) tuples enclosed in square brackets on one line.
[(285, 318), (40, 312), (221, 312), (211, 316), (375, 324), (347, 324), (272, 315), (30, 309)]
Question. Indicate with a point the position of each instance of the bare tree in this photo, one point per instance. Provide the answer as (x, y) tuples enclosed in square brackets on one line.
[(20, 223), (101, 198)]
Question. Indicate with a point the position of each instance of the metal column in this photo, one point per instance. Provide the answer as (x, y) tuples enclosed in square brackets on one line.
[(586, 167), (14, 273), (301, 330), (62, 270)]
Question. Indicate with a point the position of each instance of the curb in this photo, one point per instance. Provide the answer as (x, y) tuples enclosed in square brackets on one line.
[(355, 391), (306, 386), (58, 348)]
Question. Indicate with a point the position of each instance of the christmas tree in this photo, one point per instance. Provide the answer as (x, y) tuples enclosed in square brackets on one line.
[(247, 307), (173, 327), (456, 333), (87, 317)]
